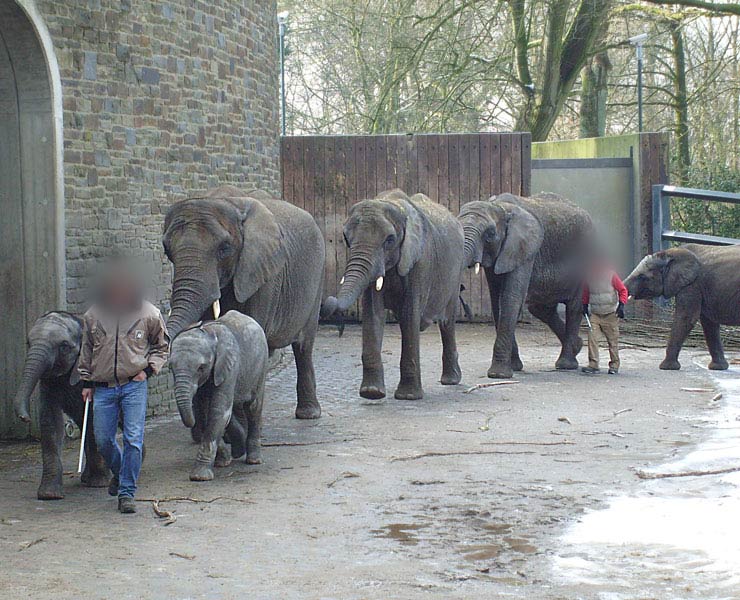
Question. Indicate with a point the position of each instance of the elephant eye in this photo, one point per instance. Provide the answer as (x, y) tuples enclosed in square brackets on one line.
[(389, 241), (225, 250)]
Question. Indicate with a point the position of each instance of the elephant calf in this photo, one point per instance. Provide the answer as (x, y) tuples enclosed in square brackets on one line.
[(53, 347), (225, 363), (705, 281), (405, 254)]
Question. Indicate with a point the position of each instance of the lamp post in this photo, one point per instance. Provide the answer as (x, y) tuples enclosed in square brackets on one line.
[(282, 26), (637, 41)]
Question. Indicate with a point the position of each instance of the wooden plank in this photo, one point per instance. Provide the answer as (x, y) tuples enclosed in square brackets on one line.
[(443, 170), (299, 174), (432, 162), (421, 145), (381, 163), (526, 164), (359, 149), (496, 164), (486, 151), (506, 162), (391, 162), (516, 164)]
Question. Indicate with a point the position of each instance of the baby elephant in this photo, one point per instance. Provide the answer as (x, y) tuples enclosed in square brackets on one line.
[(224, 363)]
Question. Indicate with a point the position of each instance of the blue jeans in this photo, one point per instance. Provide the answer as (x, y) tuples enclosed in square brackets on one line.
[(129, 401)]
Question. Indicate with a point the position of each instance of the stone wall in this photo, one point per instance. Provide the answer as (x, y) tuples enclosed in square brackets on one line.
[(160, 99)]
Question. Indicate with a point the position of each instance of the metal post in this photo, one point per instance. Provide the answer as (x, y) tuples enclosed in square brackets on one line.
[(639, 88), (282, 23)]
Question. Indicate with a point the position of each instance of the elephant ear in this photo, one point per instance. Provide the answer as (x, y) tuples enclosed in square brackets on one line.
[(681, 270), (263, 253), (413, 239), (524, 235), (226, 357)]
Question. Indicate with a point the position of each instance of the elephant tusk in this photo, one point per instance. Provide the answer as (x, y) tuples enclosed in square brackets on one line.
[(341, 281), (379, 283), (216, 309), (477, 268)]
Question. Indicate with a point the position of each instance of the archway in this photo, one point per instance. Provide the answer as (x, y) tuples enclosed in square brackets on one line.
[(31, 202)]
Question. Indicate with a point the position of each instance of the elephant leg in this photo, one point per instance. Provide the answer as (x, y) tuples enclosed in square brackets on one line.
[(494, 290), (254, 429), (373, 323), (52, 434), (409, 388), (548, 314), (96, 473), (451, 373), (572, 343), (714, 344), (308, 405), (218, 420), (235, 436), (684, 319), (512, 289)]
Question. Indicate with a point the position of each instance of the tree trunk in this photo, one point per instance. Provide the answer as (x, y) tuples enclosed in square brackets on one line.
[(594, 78), (681, 103)]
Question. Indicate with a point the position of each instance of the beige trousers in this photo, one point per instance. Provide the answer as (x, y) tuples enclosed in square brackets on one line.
[(609, 326)]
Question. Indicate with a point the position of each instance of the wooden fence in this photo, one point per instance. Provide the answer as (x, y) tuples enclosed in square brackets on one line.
[(326, 175)]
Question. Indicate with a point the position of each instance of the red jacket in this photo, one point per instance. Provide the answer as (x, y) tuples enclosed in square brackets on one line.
[(616, 284)]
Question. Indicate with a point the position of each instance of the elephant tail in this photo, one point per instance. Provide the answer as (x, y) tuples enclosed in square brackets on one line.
[(466, 308)]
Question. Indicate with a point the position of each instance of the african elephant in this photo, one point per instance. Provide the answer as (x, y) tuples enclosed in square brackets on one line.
[(255, 254), (411, 251), (53, 347), (533, 250), (227, 360), (705, 281)]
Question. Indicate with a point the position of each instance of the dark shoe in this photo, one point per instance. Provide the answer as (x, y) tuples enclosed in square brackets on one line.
[(613, 371), (126, 505), (590, 370), (113, 486)]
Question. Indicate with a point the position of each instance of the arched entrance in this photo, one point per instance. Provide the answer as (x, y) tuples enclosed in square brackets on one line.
[(31, 202)]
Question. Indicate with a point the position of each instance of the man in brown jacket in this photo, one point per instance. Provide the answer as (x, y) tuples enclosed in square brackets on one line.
[(124, 342)]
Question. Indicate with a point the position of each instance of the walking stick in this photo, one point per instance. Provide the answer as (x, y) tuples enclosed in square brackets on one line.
[(588, 321), (84, 435)]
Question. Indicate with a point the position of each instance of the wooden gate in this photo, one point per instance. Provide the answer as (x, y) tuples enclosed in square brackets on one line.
[(326, 175)]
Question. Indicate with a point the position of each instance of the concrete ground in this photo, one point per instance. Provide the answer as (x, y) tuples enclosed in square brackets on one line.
[(459, 495)]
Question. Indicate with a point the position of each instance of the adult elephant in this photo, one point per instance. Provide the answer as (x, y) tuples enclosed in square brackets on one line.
[(705, 281), (249, 252), (533, 250), (405, 254), (53, 347)]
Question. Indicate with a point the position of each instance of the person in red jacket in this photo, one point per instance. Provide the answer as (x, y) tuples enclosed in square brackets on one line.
[(604, 297)]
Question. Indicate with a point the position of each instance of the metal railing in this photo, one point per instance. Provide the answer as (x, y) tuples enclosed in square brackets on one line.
[(662, 233)]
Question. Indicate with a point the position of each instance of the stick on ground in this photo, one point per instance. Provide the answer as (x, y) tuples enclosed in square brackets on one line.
[(479, 386), (646, 475)]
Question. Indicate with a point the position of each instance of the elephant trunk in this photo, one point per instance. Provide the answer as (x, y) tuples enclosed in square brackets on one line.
[(184, 399), (38, 362), (193, 292), (360, 271), (472, 247)]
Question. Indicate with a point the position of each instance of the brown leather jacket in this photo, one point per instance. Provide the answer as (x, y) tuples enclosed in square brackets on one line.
[(116, 348)]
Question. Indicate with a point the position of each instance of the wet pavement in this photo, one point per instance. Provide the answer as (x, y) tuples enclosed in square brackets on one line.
[(514, 491)]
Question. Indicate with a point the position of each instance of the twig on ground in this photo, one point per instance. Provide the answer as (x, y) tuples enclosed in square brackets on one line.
[(563, 443), (169, 517), (624, 410), (460, 453), (27, 545), (185, 556), (646, 475), (345, 475), (479, 386), (693, 389), (318, 443)]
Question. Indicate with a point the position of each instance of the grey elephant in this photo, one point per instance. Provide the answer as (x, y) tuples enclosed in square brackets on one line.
[(255, 254), (705, 281), (226, 360), (533, 250), (405, 254), (53, 347)]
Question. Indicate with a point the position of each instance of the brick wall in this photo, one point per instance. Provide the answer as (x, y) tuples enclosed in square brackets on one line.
[(160, 99)]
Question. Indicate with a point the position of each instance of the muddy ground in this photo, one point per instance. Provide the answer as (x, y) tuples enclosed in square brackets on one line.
[(460, 495)]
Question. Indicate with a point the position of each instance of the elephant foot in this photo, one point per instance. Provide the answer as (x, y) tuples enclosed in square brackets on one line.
[(566, 363), (372, 392), (254, 458), (201, 473), (517, 364), (308, 410), (670, 365), (409, 392), (95, 480), (499, 370), (719, 365), (222, 461), (49, 491), (451, 377)]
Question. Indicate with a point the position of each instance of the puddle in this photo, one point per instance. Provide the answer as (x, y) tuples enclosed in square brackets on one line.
[(679, 537), (401, 532)]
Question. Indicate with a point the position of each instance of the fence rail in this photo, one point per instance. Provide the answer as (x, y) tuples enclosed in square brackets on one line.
[(662, 233)]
